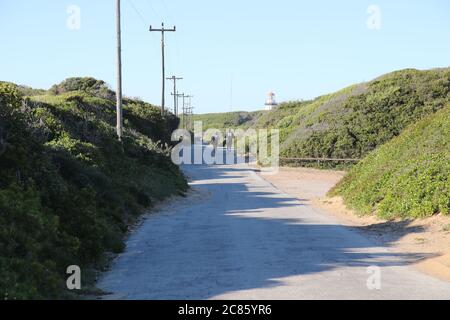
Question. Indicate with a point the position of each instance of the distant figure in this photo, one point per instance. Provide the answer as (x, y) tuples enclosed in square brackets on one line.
[(229, 140), (215, 142)]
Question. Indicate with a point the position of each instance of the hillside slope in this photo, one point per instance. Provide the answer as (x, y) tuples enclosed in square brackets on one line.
[(227, 120), (354, 121), (68, 189), (407, 177)]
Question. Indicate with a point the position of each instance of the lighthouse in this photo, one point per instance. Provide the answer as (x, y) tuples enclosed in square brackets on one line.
[(270, 102)]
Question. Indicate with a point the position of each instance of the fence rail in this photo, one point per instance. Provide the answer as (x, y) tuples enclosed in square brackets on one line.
[(320, 159)]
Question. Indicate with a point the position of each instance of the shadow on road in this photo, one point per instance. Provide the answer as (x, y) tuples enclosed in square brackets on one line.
[(242, 236)]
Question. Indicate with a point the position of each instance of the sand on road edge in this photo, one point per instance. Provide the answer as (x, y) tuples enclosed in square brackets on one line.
[(430, 237)]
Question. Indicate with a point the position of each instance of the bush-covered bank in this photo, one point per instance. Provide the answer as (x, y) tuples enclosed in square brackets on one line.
[(352, 122), (68, 188), (398, 124), (407, 177), (224, 121)]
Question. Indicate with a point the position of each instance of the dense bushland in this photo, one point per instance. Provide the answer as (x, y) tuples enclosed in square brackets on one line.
[(68, 189), (407, 177), (352, 123)]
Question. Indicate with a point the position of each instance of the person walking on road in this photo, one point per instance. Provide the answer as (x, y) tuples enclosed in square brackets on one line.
[(229, 140), (215, 143)]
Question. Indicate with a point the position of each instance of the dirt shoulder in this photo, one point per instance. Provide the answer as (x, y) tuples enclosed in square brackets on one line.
[(428, 238)]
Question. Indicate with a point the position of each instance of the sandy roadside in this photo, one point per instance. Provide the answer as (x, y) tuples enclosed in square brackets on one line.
[(429, 238)]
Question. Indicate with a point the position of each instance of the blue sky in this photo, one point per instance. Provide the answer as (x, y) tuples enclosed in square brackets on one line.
[(231, 53)]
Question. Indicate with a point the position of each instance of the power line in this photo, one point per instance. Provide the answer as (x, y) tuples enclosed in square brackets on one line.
[(189, 113), (175, 98), (187, 110), (157, 15), (163, 31), (168, 15), (184, 110), (141, 17)]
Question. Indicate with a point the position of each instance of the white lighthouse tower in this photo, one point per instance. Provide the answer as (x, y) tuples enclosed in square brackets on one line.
[(270, 102)]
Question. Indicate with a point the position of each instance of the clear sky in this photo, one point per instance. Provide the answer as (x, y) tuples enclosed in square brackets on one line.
[(231, 53)]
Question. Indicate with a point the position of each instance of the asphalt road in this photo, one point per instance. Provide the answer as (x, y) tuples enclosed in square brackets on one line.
[(238, 237)]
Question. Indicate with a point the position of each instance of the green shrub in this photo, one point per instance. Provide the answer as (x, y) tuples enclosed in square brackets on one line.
[(68, 189), (355, 121), (93, 86), (407, 177)]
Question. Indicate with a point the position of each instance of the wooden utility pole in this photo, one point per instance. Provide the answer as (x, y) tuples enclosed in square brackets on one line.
[(185, 109), (163, 30), (119, 75), (175, 98), (189, 113)]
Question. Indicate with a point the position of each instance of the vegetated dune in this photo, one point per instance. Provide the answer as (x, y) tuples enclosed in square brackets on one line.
[(357, 120), (407, 177), (227, 120), (352, 122), (68, 189)]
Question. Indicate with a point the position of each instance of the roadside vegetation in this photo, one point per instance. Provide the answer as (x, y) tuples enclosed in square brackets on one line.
[(407, 177), (398, 124), (223, 121), (68, 189), (352, 122)]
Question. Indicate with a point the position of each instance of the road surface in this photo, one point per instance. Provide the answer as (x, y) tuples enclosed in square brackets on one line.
[(238, 237)]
